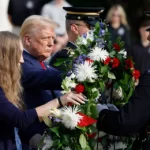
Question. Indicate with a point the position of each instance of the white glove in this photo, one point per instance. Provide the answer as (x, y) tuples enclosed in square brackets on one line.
[(112, 107), (100, 107)]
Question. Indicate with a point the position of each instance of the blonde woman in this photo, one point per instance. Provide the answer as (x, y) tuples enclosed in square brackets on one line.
[(12, 110), (118, 25)]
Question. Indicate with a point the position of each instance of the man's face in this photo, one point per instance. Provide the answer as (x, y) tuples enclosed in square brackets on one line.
[(41, 43), (143, 33), (80, 28), (148, 38)]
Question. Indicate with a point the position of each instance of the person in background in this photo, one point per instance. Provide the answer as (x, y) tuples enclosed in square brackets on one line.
[(13, 113), (54, 10), (118, 25), (79, 21), (19, 10), (140, 52)]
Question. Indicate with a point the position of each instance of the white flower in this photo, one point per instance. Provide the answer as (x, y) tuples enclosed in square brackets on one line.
[(100, 146), (124, 53), (55, 112), (67, 148), (112, 137), (118, 145), (118, 94), (85, 37), (98, 54), (90, 35), (81, 40), (85, 72), (71, 54), (70, 118), (68, 84), (48, 142)]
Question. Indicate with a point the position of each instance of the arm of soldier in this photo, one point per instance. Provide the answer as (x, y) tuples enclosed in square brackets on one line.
[(36, 78), (60, 54), (132, 116)]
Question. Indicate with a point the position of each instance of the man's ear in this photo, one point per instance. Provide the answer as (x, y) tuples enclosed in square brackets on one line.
[(27, 40), (74, 29)]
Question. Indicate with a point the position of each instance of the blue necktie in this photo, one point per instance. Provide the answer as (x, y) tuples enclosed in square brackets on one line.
[(17, 139)]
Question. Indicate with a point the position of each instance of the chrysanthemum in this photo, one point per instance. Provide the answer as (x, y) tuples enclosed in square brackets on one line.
[(48, 142), (85, 71), (67, 148), (98, 54), (118, 145), (118, 94), (70, 118), (124, 53), (55, 112)]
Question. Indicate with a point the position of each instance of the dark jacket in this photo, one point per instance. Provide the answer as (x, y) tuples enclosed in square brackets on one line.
[(10, 117), (133, 117), (38, 82), (141, 56), (123, 32)]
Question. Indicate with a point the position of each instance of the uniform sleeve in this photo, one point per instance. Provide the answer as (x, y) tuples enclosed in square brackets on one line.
[(61, 54), (49, 79), (13, 116), (133, 116)]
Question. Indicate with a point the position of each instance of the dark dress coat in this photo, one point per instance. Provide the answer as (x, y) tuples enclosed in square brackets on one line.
[(140, 56), (10, 117), (133, 117), (123, 32)]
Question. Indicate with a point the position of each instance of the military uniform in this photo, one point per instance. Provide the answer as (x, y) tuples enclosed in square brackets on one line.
[(62, 54), (133, 118), (86, 14)]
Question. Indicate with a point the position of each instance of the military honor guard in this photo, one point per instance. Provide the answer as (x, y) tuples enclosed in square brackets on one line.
[(79, 20)]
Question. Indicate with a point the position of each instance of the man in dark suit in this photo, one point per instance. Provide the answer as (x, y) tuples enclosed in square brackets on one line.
[(78, 22), (37, 34)]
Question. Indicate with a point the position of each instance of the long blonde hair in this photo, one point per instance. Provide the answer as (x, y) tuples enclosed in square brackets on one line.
[(10, 70), (123, 18)]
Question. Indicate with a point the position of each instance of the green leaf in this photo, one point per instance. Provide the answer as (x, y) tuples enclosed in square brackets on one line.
[(104, 69), (112, 53), (55, 130), (118, 40), (111, 75), (94, 111), (110, 45), (102, 86), (59, 61), (47, 121), (122, 44), (87, 148), (82, 141)]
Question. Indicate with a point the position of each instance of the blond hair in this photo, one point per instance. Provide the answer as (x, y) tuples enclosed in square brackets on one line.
[(10, 70), (36, 23), (123, 18)]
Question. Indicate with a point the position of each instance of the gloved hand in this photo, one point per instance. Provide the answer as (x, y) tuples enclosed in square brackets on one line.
[(100, 107), (112, 107)]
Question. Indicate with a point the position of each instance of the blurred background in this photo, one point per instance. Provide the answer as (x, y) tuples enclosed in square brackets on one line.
[(126, 19)]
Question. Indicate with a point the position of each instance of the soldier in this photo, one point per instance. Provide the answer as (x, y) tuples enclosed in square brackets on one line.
[(134, 117), (78, 21)]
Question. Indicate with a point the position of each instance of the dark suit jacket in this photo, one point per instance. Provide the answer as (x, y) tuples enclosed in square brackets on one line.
[(133, 116), (62, 54), (38, 82), (10, 117)]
